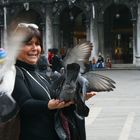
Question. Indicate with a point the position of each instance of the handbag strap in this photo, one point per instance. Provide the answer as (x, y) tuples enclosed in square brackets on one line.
[(21, 72), (37, 82)]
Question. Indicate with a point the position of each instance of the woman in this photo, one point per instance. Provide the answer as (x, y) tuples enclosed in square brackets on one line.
[(32, 91)]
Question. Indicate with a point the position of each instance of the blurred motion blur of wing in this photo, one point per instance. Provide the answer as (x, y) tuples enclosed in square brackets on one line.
[(78, 54), (98, 83), (7, 76), (12, 49)]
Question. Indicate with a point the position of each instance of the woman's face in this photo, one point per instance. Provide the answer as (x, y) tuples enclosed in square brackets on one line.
[(30, 52)]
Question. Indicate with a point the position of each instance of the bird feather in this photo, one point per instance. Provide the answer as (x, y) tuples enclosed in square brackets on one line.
[(89, 81), (78, 54), (98, 83), (7, 76)]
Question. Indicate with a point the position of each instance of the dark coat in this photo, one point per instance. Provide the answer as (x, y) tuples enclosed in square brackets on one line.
[(37, 121)]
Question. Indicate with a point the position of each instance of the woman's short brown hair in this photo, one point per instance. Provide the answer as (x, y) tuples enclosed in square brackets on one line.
[(31, 30)]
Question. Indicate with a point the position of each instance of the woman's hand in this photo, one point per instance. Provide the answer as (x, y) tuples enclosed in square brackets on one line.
[(89, 95), (57, 104)]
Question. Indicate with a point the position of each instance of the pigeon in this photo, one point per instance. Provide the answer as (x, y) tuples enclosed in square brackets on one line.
[(74, 83), (8, 54)]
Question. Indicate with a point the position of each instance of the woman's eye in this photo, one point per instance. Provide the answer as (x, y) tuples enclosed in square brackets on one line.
[(37, 43), (29, 43)]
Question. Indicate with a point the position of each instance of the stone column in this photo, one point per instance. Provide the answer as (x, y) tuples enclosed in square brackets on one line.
[(87, 30), (56, 33), (134, 41), (94, 37), (138, 38), (5, 25), (42, 26), (1, 36), (49, 29), (101, 35)]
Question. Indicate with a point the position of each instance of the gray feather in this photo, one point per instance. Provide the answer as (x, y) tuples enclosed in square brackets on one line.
[(99, 82), (7, 76), (69, 88), (78, 54)]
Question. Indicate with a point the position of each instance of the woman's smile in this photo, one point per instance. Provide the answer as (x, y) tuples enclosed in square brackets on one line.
[(30, 52)]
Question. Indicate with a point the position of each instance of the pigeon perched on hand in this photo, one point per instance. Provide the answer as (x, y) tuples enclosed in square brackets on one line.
[(74, 83)]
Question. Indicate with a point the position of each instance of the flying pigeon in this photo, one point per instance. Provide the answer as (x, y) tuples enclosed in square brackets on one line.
[(75, 83), (8, 107)]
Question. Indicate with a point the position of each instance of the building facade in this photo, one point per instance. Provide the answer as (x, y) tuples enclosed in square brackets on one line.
[(113, 26)]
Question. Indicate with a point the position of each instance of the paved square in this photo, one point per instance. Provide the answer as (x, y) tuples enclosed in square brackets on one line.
[(115, 115)]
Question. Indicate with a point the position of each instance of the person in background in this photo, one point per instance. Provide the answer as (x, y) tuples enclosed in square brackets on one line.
[(108, 62), (50, 55), (32, 91), (56, 61), (93, 64), (43, 64), (100, 61)]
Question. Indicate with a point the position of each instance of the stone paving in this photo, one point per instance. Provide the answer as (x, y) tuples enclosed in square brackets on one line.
[(115, 115)]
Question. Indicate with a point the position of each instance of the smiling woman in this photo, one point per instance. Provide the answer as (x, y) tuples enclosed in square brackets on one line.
[(31, 51), (32, 44), (32, 91)]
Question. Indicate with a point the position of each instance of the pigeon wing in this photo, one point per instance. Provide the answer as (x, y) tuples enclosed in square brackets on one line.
[(12, 49), (7, 77), (78, 54), (99, 83)]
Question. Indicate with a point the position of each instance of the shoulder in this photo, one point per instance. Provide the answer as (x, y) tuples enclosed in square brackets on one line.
[(19, 72)]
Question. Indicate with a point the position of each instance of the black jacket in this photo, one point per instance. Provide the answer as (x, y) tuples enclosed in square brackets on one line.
[(37, 121)]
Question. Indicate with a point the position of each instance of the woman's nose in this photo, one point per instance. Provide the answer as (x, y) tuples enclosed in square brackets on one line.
[(34, 46)]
